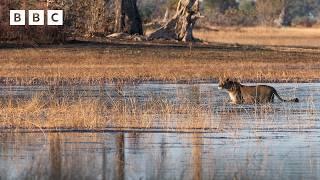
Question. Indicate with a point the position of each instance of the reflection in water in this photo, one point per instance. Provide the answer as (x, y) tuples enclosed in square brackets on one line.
[(55, 156), (120, 156), (162, 159), (104, 162), (197, 156), (283, 155)]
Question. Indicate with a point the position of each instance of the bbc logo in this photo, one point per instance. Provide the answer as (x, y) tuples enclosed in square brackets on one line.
[(36, 17)]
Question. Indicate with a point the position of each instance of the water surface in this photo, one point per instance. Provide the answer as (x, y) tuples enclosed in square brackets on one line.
[(282, 142)]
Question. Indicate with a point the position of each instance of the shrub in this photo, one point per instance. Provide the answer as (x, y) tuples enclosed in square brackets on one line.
[(233, 17), (304, 21)]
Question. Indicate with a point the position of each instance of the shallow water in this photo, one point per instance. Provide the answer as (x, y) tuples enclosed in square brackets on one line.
[(282, 143), (273, 155), (276, 116)]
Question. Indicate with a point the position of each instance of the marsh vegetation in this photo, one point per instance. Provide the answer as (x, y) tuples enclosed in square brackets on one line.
[(161, 107), (156, 131)]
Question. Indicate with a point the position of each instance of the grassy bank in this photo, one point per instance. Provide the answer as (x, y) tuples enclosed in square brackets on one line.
[(303, 37), (85, 63)]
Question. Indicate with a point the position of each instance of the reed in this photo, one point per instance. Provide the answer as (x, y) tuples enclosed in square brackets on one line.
[(45, 112)]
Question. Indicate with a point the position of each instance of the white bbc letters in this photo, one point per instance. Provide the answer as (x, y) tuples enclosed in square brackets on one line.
[(36, 17), (17, 17), (55, 17)]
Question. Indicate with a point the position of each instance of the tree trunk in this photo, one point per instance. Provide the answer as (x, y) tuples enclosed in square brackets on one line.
[(283, 19), (166, 16), (180, 26), (127, 18), (280, 21)]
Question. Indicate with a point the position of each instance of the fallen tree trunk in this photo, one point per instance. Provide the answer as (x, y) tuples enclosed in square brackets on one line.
[(180, 26)]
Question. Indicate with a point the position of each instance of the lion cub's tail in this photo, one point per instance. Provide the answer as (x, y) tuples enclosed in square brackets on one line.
[(283, 100)]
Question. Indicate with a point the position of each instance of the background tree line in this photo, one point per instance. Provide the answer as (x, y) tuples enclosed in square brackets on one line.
[(100, 17), (242, 12)]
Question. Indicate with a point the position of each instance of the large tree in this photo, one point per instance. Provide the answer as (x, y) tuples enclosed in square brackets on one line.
[(180, 26), (127, 17)]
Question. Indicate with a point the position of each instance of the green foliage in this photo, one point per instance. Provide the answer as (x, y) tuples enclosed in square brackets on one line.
[(299, 9), (147, 11), (219, 6), (231, 12), (247, 6), (235, 17), (269, 10), (304, 21)]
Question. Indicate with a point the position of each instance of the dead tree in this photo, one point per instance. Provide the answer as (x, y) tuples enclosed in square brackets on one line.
[(127, 17), (166, 16), (279, 22), (180, 26), (282, 19)]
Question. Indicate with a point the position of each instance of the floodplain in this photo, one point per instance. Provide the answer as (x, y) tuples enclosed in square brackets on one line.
[(157, 130), (128, 110)]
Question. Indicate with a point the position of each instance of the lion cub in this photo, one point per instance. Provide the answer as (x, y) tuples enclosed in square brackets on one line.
[(250, 94)]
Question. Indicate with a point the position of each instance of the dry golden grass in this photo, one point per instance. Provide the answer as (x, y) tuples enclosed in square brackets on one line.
[(41, 113), (96, 63), (308, 37), (37, 114)]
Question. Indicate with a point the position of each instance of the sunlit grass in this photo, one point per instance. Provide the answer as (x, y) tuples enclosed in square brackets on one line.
[(43, 112), (308, 37), (92, 114), (93, 65)]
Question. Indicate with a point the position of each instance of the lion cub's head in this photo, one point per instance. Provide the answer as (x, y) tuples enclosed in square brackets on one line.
[(227, 84)]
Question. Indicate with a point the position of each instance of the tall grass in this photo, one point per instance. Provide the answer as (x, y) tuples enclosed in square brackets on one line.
[(91, 114), (157, 113)]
